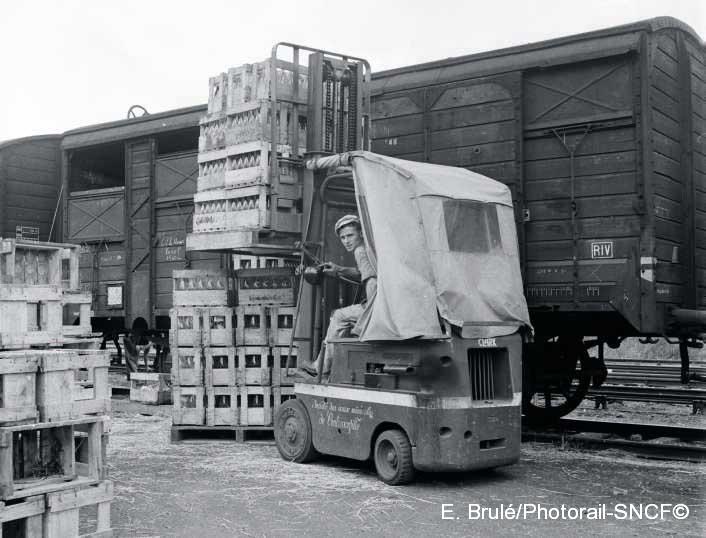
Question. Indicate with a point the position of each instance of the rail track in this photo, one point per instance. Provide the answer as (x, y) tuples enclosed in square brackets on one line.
[(654, 441)]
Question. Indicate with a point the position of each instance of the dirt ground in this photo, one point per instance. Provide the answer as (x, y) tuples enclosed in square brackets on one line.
[(218, 488)]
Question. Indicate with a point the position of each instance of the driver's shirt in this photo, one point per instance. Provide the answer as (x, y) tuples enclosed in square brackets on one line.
[(368, 276)]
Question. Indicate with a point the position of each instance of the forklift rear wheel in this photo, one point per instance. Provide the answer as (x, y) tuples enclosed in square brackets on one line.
[(393, 458), (293, 434)]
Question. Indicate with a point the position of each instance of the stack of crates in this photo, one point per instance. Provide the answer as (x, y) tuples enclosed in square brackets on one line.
[(266, 293), (229, 363), (54, 403), (202, 326), (236, 189)]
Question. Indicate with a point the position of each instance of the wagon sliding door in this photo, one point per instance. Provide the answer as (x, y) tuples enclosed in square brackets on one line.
[(584, 204), (139, 230)]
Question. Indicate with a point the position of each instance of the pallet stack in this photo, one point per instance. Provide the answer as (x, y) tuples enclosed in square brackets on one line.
[(54, 403), (229, 363), (238, 196)]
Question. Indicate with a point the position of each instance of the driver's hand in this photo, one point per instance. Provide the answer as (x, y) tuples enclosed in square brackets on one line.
[(331, 268)]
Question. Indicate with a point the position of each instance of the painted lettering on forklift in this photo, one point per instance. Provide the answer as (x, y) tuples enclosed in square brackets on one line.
[(334, 415), (487, 342)]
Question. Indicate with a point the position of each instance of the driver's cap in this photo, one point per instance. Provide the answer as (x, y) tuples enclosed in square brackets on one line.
[(345, 221)]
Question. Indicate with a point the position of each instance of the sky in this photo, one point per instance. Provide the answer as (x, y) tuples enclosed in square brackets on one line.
[(74, 63)]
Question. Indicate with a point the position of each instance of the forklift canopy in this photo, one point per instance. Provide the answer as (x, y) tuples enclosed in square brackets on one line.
[(443, 242)]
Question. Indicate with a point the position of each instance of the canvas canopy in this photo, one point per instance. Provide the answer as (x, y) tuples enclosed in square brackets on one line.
[(443, 242)]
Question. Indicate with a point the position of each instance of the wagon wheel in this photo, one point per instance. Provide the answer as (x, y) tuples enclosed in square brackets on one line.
[(556, 379)]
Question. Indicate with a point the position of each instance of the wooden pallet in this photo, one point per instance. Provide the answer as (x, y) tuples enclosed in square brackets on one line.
[(18, 373), (61, 518), (239, 434), (203, 287), (72, 383), (23, 518), (50, 456)]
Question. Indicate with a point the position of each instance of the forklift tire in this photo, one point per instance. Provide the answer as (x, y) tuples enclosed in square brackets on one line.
[(293, 434), (393, 458)]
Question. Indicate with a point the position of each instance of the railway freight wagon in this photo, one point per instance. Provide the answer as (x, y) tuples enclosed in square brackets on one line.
[(29, 188), (602, 139), (128, 190)]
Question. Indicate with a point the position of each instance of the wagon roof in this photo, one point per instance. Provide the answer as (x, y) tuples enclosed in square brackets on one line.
[(648, 25)]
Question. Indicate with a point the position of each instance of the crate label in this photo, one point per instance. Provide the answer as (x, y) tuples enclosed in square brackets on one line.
[(601, 249)]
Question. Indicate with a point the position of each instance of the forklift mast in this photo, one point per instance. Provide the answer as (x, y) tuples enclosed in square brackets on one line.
[(338, 120)]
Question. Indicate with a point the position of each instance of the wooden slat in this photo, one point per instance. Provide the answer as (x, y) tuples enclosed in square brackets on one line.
[(600, 185)]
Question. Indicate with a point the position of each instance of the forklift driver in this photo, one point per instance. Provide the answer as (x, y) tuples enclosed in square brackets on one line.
[(343, 320)]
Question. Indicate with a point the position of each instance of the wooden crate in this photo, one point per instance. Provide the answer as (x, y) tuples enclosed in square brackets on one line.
[(281, 325), (269, 286), (220, 366), (251, 82), (255, 405), (254, 365), (36, 263), (188, 405), (252, 325), (212, 132), (187, 366), (217, 93), (244, 261), (49, 456), (281, 395), (61, 518), (72, 383), (248, 164), (28, 320), (203, 287), (76, 314), (212, 170), (18, 376), (249, 208), (150, 388), (280, 355), (218, 329), (186, 326), (252, 122), (223, 408), (23, 518)]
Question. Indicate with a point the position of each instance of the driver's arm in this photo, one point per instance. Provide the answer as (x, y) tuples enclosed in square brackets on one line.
[(350, 273)]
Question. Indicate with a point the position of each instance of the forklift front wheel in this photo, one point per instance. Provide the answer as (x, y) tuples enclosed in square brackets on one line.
[(393, 458), (293, 434)]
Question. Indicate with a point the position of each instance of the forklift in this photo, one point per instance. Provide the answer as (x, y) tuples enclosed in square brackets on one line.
[(432, 381), (430, 378)]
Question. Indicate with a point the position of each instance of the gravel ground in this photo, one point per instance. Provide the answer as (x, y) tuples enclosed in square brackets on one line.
[(220, 488)]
